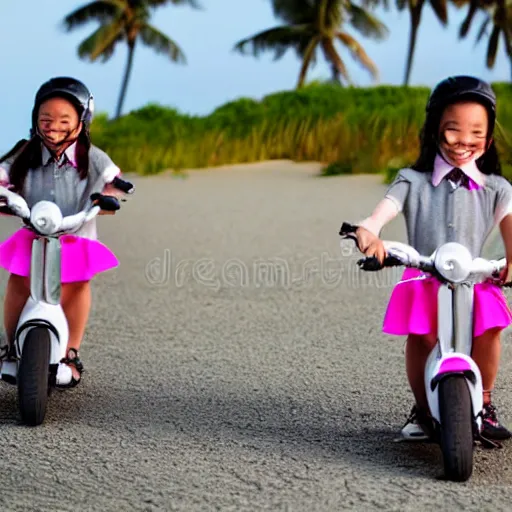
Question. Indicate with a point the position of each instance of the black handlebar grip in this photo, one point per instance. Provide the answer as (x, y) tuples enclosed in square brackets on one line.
[(123, 185), (106, 203), (372, 264)]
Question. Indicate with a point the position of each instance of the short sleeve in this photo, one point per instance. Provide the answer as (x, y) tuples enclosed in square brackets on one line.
[(503, 205), (399, 189), (103, 166)]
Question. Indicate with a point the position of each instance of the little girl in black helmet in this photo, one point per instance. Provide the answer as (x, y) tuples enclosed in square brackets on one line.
[(453, 193), (58, 164)]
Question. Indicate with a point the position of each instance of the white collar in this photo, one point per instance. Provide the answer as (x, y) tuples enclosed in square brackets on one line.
[(442, 168)]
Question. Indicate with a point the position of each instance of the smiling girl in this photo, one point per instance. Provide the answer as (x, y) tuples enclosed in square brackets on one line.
[(58, 164), (453, 193)]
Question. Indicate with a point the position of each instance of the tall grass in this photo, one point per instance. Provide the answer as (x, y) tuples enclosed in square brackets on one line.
[(360, 130)]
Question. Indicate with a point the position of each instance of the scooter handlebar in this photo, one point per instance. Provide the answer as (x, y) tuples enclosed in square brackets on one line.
[(68, 224), (401, 254), (99, 202)]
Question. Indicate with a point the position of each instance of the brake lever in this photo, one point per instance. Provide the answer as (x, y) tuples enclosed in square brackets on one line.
[(348, 231)]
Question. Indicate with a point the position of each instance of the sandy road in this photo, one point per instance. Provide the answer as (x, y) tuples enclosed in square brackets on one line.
[(235, 362)]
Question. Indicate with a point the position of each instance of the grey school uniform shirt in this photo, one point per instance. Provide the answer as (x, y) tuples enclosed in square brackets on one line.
[(60, 182), (446, 213)]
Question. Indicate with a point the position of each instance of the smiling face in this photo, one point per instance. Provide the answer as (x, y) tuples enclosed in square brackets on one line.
[(463, 132), (58, 123)]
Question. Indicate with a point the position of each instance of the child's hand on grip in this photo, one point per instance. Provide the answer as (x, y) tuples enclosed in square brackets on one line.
[(370, 245)]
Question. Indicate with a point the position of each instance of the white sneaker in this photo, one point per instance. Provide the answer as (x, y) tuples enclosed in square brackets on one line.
[(9, 371), (64, 374), (412, 430)]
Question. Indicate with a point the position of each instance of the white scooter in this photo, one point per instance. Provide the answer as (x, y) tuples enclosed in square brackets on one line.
[(42, 332), (453, 381)]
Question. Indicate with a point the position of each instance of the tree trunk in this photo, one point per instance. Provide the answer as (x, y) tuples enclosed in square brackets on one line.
[(306, 59), (415, 23), (127, 72), (336, 75)]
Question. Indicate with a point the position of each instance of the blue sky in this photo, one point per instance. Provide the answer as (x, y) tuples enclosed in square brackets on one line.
[(34, 47)]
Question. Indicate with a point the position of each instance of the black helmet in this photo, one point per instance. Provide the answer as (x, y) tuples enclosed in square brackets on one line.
[(455, 88), (71, 89)]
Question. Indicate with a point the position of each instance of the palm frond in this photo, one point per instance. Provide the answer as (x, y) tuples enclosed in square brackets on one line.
[(160, 3), (358, 53), (333, 57), (365, 23), (330, 14), (161, 43), (294, 12), (466, 24), (98, 10), (492, 49), (373, 4), (308, 59), (507, 40), (440, 9), (461, 3), (483, 29), (277, 39), (101, 42)]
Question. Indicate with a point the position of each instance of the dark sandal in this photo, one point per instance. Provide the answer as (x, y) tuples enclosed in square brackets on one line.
[(4, 352), (72, 361)]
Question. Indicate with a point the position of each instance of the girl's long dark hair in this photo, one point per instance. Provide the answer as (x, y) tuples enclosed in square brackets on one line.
[(488, 163), (29, 156)]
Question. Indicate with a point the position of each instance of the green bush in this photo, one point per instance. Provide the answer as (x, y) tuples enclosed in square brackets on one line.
[(349, 129), (337, 168)]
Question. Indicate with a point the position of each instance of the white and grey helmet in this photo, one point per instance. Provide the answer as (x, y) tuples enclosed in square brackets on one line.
[(71, 89)]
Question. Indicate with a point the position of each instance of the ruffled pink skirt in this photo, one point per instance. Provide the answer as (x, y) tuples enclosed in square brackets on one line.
[(412, 308), (82, 258)]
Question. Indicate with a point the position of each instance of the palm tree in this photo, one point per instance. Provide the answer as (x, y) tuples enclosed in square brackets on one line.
[(499, 14), (123, 20), (312, 24), (415, 8)]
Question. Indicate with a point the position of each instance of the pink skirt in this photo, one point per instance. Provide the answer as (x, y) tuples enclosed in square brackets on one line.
[(412, 308), (82, 258)]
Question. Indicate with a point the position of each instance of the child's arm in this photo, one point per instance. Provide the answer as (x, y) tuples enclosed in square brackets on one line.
[(369, 229), (506, 233), (111, 172), (106, 170), (387, 209), (503, 217), (384, 212)]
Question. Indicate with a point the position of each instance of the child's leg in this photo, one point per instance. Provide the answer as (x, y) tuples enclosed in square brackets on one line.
[(76, 303), (17, 294), (486, 354), (417, 350)]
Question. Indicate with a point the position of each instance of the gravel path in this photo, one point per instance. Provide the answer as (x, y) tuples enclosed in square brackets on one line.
[(235, 362)]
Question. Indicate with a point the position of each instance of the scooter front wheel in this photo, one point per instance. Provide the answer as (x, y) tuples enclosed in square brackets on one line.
[(456, 428), (33, 376)]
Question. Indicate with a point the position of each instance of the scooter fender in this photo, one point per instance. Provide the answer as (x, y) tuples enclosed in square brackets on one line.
[(46, 315), (439, 367)]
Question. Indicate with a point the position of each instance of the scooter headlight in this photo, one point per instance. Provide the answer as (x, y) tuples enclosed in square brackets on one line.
[(46, 217), (453, 261)]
